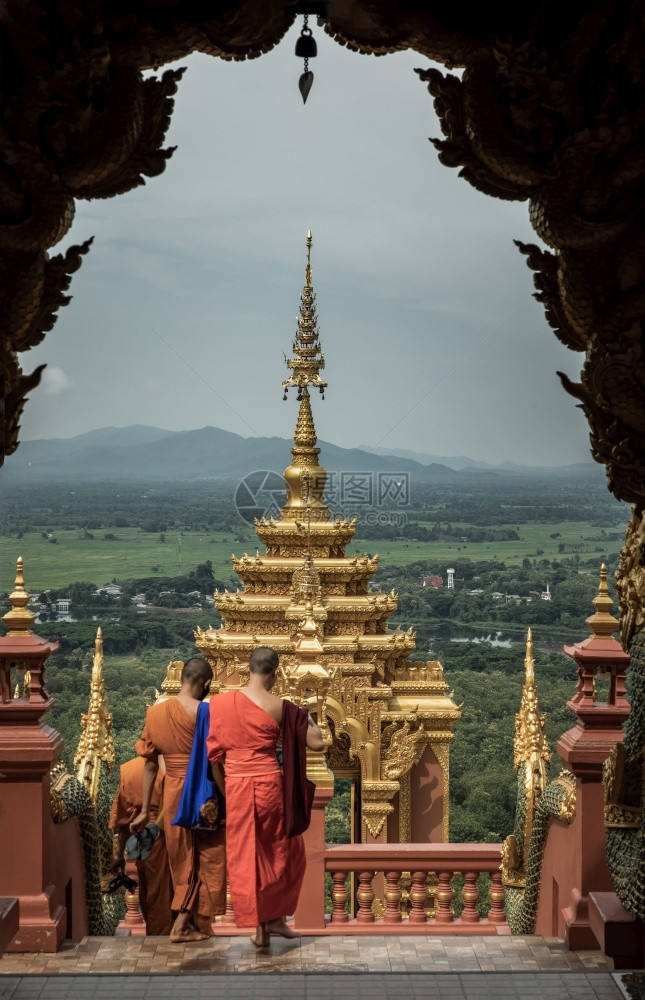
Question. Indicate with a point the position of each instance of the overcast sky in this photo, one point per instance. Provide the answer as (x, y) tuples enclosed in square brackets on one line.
[(188, 297)]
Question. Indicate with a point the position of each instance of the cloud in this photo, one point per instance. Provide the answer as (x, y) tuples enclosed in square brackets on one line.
[(54, 381)]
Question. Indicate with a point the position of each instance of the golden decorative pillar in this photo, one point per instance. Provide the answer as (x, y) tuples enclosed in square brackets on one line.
[(96, 745), (531, 758)]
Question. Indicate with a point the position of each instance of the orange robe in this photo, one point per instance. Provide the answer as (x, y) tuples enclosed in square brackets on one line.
[(265, 868), (155, 884), (197, 860)]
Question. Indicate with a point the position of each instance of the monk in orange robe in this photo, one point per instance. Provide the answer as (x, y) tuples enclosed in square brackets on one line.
[(155, 884), (197, 859), (265, 867)]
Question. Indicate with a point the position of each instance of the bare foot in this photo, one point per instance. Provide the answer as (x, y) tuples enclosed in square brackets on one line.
[(261, 937), (188, 935), (183, 929), (281, 928), (203, 925)]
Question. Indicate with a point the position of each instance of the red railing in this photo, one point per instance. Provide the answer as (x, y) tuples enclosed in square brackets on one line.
[(407, 905)]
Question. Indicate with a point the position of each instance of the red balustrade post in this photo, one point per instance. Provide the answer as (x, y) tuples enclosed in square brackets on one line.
[(365, 897), (339, 897), (497, 896), (133, 921), (418, 896), (228, 918), (392, 913), (444, 896), (470, 896)]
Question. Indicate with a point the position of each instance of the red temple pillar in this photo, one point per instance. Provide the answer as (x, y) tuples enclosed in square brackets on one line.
[(583, 749), (310, 912), (28, 749)]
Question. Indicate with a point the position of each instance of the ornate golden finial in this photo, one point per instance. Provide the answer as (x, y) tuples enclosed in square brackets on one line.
[(96, 745), (530, 741), (310, 240), (306, 364), (19, 620), (308, 360), (602, 623)]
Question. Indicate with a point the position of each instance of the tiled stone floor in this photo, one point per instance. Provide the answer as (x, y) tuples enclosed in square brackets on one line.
[(318, 986), (309, 954), (324, 968)]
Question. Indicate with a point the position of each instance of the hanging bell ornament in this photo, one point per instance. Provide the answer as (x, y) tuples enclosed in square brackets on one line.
[(306, 47)]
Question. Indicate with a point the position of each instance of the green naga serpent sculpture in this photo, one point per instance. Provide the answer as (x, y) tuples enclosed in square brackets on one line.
[(537, 802), (624, 770), (86, 797)]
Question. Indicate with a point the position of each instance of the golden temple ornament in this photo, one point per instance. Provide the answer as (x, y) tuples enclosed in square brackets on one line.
[(96, 745), (531, 758), (602, 623), (19, 619), (387, 720)]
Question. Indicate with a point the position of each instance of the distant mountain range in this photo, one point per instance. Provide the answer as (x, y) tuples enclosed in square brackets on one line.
[(140, 452), (460, 462)]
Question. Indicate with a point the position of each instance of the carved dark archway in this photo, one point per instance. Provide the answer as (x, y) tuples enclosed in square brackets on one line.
[(550, 109)]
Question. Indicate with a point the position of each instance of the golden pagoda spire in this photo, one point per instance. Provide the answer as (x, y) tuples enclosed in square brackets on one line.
[(530, 741), (96, 745), (19, 619), (305, 365), (308, 360), (602, 623)]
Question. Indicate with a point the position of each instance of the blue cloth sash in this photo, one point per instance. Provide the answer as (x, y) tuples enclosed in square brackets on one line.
[(198, 786)]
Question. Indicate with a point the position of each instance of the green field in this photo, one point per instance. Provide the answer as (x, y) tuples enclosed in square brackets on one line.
[(136, 552), (99, 561), (533, 536)]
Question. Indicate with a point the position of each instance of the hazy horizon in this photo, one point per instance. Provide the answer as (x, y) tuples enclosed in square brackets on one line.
[(186, 302), (411, 453)]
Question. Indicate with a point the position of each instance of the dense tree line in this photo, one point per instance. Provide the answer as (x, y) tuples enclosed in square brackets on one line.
[(209, 506), (125, 631)]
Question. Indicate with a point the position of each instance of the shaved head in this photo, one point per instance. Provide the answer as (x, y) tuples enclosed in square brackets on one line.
[(196, 669), (263, 661)]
